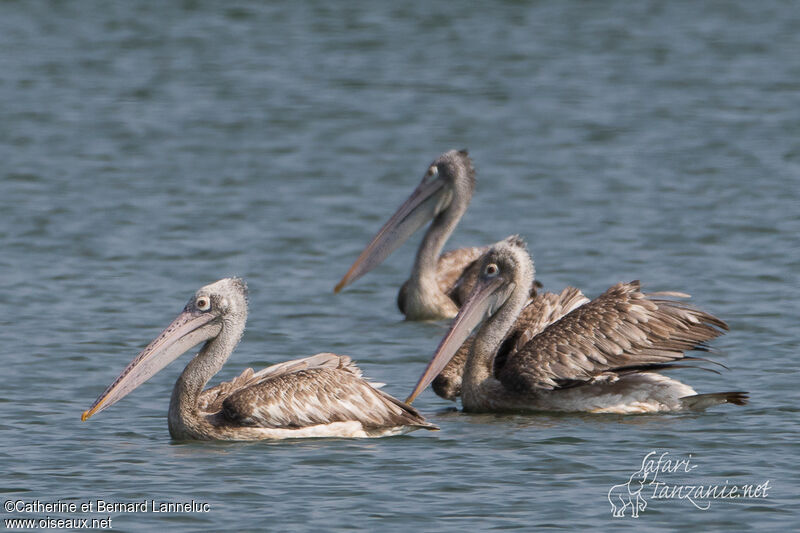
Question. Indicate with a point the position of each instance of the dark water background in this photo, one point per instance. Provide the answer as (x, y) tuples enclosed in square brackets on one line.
[(148, 148)]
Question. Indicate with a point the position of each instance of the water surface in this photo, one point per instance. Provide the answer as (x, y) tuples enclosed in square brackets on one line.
[(149, 149)]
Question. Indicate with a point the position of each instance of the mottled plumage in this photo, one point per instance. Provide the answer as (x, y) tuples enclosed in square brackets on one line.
[(598, 356), (540, 311), (456, 272), (211, 399), (319, 396), (620, 329)]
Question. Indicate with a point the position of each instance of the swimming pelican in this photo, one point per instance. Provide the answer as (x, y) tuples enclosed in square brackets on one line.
[(541, 310), (439, 283), (319, 396), (601, 357)]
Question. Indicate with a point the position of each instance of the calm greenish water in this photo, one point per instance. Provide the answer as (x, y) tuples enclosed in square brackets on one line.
[(148, 148)]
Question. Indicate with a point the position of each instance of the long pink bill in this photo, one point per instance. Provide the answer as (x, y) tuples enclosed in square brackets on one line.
[(485, 298), (423, 204), (187, 330)]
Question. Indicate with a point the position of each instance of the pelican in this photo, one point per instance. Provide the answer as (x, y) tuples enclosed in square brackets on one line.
[(601, 357), (319, 396), (541, 310), (438, 283)]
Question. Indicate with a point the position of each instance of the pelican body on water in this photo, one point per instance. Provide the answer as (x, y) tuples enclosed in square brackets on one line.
[(603, 356), (319, 396)]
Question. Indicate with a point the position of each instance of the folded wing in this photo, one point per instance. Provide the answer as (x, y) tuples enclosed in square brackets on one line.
[(623, 329), (315, 390), (541, 311)]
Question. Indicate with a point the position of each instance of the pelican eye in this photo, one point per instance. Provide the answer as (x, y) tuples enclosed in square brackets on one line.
[(203, 303), (432, 171), (491, 269)]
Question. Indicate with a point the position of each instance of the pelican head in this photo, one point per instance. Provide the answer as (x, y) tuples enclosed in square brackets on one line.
[(506, 266), (218, 308), (445, 191)]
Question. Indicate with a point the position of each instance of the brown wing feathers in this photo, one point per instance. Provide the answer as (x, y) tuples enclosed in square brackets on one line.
[(542, 310), (621, 329), (318, 395)]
